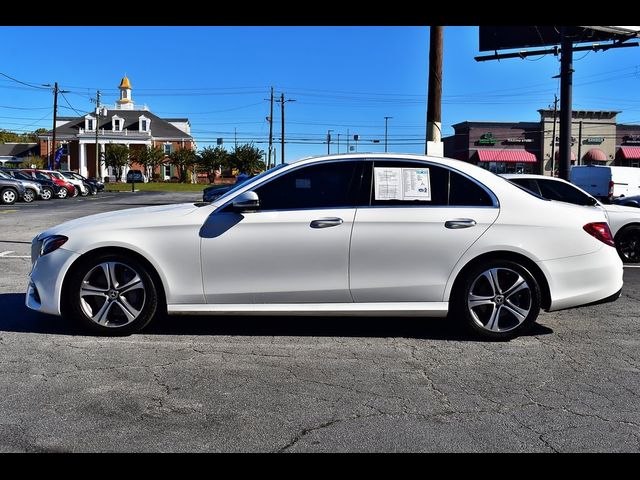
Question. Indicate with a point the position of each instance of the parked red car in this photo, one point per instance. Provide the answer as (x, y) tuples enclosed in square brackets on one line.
[(57, 178)]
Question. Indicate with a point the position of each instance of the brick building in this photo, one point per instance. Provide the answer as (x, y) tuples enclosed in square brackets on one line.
[(530, 147), (124, 124)]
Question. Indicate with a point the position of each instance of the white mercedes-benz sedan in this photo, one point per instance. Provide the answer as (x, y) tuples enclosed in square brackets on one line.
[(361, 234)]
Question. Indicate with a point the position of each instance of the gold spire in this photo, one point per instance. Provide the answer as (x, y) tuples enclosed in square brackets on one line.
[(125, 83)]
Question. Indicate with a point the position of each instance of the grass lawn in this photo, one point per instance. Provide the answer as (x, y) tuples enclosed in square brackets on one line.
[(158, 187)]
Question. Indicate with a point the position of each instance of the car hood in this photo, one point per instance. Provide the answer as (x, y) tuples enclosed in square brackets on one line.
[(130, 218)]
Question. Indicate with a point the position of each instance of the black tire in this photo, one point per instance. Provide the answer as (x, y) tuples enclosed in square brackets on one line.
[(84, 192), (628, 244), (8, 196), (88, 291), (516, 301), (29, 195), (47, 193), (63, 193), (75, 192)]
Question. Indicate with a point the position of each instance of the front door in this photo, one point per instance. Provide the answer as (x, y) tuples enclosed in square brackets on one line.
[(294, 249)]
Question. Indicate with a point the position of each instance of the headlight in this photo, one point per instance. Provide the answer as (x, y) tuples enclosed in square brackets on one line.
[(49, 244)]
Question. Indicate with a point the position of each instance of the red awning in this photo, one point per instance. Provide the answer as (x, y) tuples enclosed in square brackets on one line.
[(511, 156), (630, 153), (595, 154), (573, 156)]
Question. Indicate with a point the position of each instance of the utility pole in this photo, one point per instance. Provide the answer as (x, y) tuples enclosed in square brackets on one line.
[(282, 101), (578, 159), (433, 142), (55, 114), (270, 131), (235, 137), (347, 140), (385, 133), (553, 138), (96, 126), (329, 141), (566, 83), (338, 143)]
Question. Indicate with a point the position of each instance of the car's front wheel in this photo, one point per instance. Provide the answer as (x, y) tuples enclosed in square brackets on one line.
[(8, 196), (63, 192), (628, 244), (29, 195), (111, 294), (498, 299), (47, 193)]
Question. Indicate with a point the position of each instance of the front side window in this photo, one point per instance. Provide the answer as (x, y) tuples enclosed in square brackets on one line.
[(325, 185)]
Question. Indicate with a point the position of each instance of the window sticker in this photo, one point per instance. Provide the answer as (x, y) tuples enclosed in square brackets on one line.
[(387, 183), (393, 183)]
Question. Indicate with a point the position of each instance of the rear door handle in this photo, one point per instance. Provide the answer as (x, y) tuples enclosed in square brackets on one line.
[(460, 223), (325, 222)]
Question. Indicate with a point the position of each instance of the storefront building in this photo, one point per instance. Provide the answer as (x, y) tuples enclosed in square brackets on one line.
[(533, 147)]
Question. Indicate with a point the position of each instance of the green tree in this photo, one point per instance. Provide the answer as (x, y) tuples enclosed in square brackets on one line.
[(116, 156), (247, 158), (150, 158), (213, 160), (37, 160), (184, 159)]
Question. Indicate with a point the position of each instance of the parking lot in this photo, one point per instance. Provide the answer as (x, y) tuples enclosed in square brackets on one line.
[(306, 384)]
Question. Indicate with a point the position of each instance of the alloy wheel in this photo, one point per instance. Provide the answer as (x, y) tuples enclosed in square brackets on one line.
[(499, 300), (112, 294), (9, 196)]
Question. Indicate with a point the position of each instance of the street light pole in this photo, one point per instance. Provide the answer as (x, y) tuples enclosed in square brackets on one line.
[(385, 132)]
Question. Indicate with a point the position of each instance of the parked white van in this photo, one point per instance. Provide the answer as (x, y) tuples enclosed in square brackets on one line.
[(606, 183)]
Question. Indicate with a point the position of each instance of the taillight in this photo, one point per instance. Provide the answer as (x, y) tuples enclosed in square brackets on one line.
[(601, 231)]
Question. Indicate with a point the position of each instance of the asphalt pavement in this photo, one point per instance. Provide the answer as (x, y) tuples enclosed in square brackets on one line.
[(307, 384)]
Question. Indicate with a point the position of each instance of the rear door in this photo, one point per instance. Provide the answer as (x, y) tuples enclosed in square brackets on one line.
[(421, 219)]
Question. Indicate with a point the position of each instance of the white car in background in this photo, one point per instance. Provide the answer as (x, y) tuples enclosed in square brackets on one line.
[(361, 234), (78, 184), (623, 220)]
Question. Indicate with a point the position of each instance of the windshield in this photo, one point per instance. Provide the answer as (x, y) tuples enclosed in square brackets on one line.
[(257, 177), (41, 176), (58, 175), (4, 175), (21, 176)]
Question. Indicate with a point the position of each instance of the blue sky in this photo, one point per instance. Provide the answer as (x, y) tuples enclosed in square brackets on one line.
[(341, 78)]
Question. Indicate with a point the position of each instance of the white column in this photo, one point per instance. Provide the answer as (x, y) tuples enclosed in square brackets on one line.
[(103, 167), (83, 160)]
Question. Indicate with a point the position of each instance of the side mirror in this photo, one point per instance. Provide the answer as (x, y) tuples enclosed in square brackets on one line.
[(246, 201)]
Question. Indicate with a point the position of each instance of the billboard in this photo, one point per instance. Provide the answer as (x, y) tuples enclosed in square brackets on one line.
[(493, 38)]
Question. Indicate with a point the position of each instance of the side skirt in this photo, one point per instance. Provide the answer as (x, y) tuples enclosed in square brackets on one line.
[(408, 309)]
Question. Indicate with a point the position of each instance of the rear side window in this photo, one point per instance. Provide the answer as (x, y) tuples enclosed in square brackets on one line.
[(464, 192), (444, 186)]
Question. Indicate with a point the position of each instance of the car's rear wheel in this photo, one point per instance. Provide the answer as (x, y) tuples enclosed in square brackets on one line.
[(628, 244), (111, 294), (8, 196), (498, 299), (29, 195), (46, 194)]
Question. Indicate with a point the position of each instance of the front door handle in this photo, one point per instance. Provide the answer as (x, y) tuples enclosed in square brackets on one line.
[(460, 223), (325, 222)]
